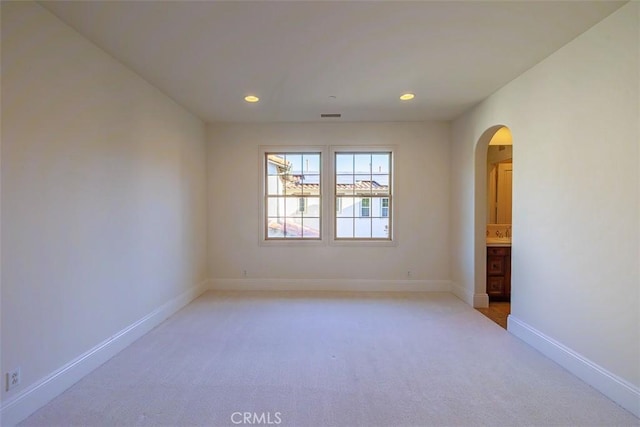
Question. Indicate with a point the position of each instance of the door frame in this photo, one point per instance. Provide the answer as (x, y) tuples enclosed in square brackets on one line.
[(480, 296)]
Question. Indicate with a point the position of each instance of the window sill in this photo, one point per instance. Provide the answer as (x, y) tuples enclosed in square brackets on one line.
[(363, 242), (292, 242)]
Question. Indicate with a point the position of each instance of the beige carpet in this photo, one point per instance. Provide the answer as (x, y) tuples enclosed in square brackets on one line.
[(330, 360)]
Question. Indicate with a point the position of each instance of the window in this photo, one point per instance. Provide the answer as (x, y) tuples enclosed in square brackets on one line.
[(292, 195), (362, 191), (384, 207), (365, 207)]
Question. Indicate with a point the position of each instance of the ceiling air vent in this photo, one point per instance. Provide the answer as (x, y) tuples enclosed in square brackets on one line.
[(330, 115)]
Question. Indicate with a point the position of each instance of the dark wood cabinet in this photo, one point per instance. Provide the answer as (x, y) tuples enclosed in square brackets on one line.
[(499, 272)]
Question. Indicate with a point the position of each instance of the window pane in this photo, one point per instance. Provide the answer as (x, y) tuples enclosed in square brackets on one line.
[(275, 227), (275, 206), (287, 186), (344, 184), (346, 205), (274, 185), (311, 227), (293, 228), (344, 164), (312, 206), (310, 184), (379, 205), (380, 183), (344, 228), (275, 163), (362, 227), (363, 184), (380, 228), (291, 207), (313, 189), (295, 163), (345, 179), (311, 163), (380, 163), (362, 163)]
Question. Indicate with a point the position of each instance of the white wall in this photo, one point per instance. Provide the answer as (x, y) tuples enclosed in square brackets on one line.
[(103, 196), (575, 274), (421, 214)]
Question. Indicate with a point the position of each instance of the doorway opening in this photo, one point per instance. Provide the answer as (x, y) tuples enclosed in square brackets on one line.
[(494, 171)]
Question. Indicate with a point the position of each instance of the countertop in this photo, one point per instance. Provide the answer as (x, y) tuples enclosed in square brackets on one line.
[(499, 242)]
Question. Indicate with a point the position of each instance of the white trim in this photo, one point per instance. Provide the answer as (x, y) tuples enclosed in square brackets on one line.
[(347, 285), (43, 391), (393, 196), (364, 242), (475, 300), (263, 150), (615, 388), (480, 300), (462, 293)]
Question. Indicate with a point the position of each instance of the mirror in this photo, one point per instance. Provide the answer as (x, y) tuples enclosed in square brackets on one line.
[(499, 178)]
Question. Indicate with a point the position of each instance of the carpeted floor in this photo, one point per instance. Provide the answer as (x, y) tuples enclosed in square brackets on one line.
[(295, 359)]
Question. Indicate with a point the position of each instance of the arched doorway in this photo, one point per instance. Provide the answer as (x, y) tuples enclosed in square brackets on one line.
[(493, 225)]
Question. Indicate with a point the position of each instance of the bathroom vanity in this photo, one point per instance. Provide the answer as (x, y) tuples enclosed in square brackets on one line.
[(499, 270)]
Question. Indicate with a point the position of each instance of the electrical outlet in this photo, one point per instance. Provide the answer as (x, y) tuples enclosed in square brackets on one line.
[(409, 274), (13, 379), (244, 273)]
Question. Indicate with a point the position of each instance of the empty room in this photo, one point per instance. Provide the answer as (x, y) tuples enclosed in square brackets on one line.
[(319, 213)]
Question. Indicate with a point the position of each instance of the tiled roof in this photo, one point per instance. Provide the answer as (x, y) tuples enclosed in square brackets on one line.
[(292, 229), (360, 187)]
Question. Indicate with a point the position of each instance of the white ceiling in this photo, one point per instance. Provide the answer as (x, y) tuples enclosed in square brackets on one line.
[(296, 55)]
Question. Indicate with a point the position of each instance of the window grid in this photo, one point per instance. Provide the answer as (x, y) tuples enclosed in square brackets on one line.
[(292, 196), (362, 180)]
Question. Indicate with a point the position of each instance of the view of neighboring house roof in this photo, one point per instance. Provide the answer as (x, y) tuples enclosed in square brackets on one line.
[(297, 185), (290, 228), (278, 161), (301, 183), (363, 187)]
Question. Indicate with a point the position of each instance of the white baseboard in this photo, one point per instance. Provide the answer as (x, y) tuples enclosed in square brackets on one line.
[(615, 388), (480, 300), (40, 393), (466, 295), (461, 293), (347, 285)]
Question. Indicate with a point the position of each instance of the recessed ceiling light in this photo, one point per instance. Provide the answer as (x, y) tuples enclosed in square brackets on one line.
[(407, 96), (251, 98)]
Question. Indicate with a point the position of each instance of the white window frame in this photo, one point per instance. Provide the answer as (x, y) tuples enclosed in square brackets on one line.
[(262, 194), (392, 240)]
